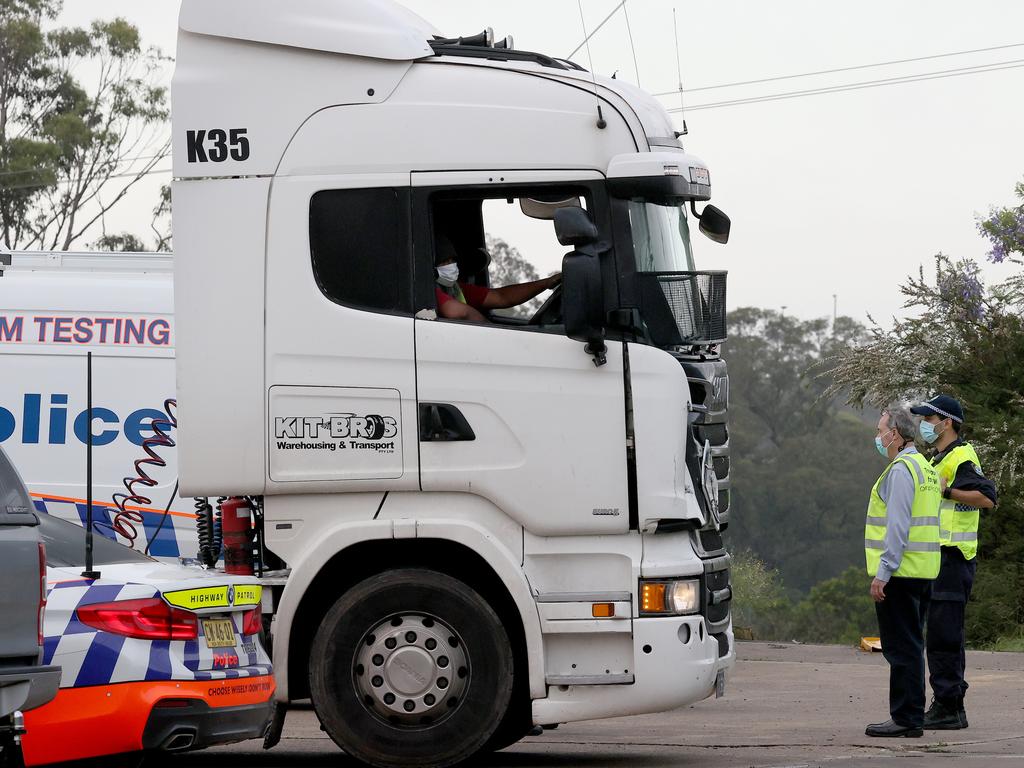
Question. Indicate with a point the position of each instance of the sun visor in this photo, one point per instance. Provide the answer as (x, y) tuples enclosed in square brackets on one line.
[(541, 208), (665, 178), (377, 29)]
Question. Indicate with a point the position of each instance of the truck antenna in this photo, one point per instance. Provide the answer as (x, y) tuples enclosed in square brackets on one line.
[(88, 573), (601, 122), (679, 76)]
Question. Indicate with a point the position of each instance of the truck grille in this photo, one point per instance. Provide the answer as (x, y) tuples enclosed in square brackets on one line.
[(709, 387), (718, 597)]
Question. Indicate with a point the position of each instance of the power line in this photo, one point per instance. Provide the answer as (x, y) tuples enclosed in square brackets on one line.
[(587, 37), (629, 31), (126, 161), (981, 69), (844, 69), (72, 181)]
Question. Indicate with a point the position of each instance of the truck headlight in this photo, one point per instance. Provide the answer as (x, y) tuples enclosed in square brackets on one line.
[(669, 597)]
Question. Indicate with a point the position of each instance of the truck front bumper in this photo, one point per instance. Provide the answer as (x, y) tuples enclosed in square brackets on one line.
[(677, 662)]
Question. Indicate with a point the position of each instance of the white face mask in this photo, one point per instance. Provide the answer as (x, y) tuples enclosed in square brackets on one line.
[(448, 274)]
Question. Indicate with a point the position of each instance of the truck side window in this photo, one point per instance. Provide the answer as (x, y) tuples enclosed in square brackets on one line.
[(359, 239)]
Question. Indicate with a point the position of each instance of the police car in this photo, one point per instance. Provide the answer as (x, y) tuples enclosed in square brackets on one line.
[(153, 656)]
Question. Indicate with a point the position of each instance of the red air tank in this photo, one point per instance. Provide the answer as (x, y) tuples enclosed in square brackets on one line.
[(239, 536)]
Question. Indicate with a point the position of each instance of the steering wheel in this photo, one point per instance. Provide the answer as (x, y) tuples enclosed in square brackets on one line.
[(550, 312)]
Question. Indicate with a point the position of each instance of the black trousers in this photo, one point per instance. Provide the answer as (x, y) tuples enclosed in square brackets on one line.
[(946, 655), (901, 627)]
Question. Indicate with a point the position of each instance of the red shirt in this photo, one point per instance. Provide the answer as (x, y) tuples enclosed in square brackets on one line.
[(475, 296)]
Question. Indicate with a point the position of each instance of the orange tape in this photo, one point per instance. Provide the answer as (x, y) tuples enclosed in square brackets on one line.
[(97, 503)]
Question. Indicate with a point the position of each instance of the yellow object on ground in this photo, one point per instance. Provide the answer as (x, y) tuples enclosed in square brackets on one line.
[(871, 644)]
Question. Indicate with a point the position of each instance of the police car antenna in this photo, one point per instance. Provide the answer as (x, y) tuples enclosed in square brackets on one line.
[(88, 573)]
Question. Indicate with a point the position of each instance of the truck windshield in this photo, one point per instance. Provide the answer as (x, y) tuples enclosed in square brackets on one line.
[(661, 237)]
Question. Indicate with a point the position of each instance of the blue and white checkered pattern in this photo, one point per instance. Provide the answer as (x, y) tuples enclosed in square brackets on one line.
[(91, 657), (176, 539)]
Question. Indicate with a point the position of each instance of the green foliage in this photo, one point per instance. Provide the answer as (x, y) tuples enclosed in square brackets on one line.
[(71, 149), (838, 610), (121, 242), (995, 611), (759, 600), (964, 338), (1012, 644), (802, 465)]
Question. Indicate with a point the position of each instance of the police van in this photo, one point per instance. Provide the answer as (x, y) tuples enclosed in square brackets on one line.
[(54, 309)]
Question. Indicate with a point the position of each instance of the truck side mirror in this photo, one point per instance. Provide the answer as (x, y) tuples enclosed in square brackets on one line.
[(713, 223), (583, 302), (573, 226)]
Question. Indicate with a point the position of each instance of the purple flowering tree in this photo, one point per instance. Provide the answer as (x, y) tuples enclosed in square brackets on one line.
[(1004, 228), (963, 337)]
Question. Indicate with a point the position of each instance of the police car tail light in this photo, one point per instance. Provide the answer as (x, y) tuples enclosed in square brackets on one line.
[(252, 621), (147, 619)]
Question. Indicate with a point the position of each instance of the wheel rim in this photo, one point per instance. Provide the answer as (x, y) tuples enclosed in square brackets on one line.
[(411, 670)]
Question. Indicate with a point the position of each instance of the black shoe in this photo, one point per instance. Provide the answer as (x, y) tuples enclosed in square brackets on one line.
[(891, 729), (944, 717), (963, 714)]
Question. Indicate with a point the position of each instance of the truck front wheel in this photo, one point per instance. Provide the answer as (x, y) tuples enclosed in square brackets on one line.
[(411, 668)]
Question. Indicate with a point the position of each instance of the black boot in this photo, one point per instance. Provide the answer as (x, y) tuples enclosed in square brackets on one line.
[(943, 716), (962, 712), (891, 729)]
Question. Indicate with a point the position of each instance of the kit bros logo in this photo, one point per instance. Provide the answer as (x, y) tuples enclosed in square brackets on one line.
[(336, 432)]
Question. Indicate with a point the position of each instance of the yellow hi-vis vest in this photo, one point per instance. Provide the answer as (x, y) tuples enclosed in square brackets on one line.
[(922, 556), (455, 291), (958, 523)]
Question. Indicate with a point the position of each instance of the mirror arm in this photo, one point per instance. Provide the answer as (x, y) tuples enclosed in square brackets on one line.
[(599, 350)]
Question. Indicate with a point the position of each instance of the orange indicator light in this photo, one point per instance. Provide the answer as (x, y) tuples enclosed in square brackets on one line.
[(652, 598)]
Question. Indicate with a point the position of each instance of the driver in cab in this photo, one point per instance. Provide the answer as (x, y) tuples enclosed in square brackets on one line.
[(464, 301)]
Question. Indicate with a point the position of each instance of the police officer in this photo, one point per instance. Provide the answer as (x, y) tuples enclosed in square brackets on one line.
[(965, 491), (901, 543)]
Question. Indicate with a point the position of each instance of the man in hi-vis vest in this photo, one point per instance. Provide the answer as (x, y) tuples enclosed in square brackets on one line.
[(965, 491), (901, 543)]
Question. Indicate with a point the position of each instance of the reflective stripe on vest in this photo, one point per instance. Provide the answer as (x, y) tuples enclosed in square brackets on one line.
[(912, 546), (958, 522), (921, 558)]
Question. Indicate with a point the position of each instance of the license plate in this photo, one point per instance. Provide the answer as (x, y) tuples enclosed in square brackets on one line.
[(220, 633), (720, 685)]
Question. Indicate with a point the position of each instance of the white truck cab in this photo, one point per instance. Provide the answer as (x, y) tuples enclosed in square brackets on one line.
[(486, 526)]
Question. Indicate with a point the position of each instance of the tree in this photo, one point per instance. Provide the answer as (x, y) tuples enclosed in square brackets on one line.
[(839, 610), (508, 267), (965, 339), (161, 226), (71, 151), (802, 464)]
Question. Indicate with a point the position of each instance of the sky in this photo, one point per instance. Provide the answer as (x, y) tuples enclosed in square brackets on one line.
[(836, 195)]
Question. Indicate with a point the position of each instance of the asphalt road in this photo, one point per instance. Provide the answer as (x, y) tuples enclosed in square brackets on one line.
[(785, 705)]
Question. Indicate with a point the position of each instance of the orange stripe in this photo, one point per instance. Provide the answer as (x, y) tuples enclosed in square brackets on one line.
[(108, 719), (96, 503)]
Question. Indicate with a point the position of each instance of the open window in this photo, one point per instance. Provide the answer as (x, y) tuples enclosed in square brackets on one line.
[(499, 237)]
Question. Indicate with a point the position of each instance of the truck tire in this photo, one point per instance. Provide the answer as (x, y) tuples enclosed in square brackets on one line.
[(411, 668)]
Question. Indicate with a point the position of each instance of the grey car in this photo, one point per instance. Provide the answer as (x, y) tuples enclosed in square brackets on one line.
[(24, 682)]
